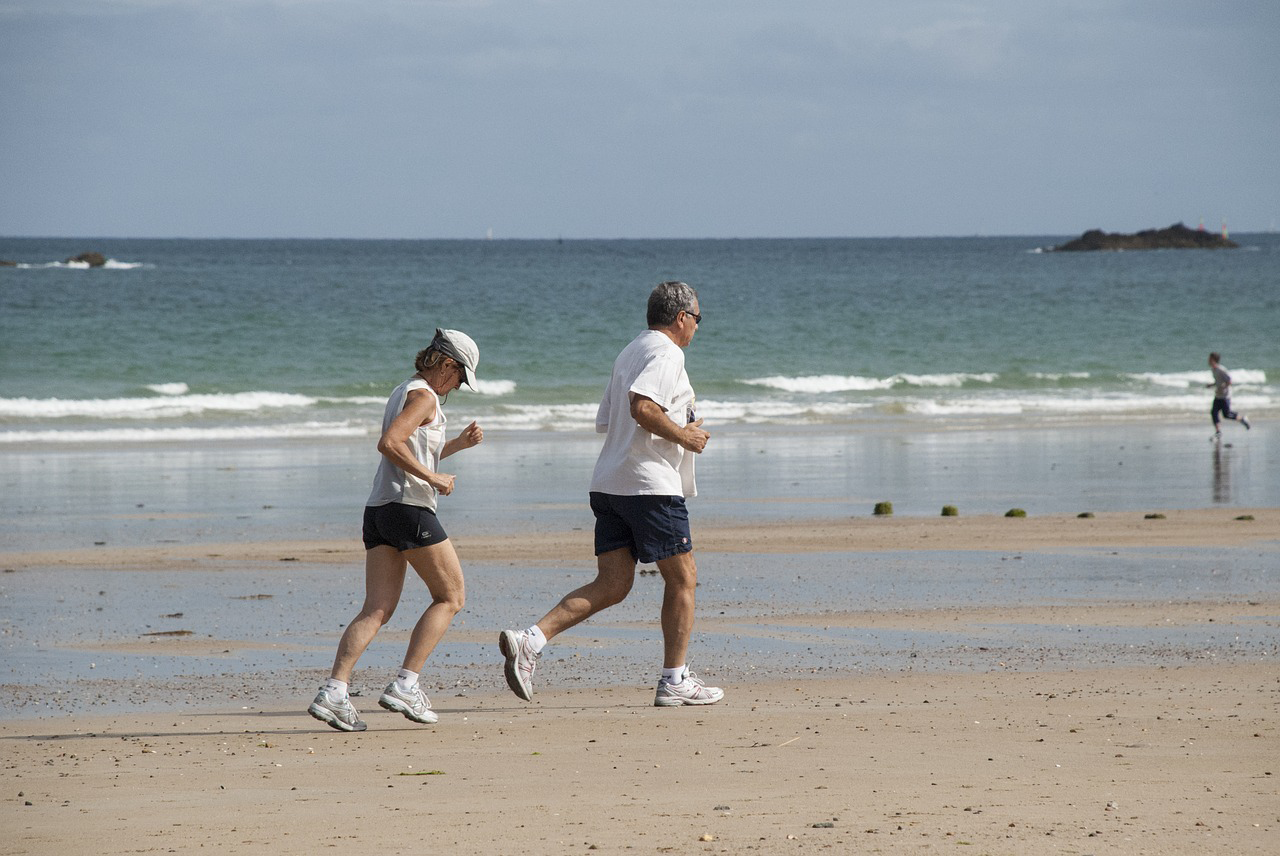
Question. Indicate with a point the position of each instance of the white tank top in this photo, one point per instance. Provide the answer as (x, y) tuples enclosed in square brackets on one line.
[(392, 484)]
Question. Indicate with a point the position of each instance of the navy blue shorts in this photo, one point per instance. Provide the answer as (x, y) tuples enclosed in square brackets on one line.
[(652, 527), (1222, 406), (404, 527)]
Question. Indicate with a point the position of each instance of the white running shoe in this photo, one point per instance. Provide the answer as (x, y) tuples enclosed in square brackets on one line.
[(340, 715), (689, 691), (517, 647), (1244, 420), (414, 705)]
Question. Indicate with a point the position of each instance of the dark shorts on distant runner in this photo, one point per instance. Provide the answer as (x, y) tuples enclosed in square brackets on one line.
[(1222, 406), (405, 527), (652, 527)]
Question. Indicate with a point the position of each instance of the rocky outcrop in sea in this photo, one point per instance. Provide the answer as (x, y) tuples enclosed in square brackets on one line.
[(1176, 237)]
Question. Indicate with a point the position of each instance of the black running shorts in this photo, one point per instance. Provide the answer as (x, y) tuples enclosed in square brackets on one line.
[(404, 527)]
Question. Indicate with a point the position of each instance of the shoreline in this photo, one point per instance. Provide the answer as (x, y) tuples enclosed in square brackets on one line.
[(758, 475), (1207, 527)]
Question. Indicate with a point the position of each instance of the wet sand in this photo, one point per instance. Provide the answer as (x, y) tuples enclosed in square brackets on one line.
[(69, 497), (1216, 527), (976, 684)]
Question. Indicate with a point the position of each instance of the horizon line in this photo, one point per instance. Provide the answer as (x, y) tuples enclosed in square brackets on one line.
[(561, 238)]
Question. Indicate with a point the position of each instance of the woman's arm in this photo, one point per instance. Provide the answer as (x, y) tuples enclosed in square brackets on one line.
[(470, 436), (419, 407)]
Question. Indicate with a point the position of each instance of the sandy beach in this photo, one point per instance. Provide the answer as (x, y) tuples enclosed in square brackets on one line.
[(1178, 760), (990, 730), (1222, 527)]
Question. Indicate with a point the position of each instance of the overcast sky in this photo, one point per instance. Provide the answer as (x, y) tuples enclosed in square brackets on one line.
[(588, 118)]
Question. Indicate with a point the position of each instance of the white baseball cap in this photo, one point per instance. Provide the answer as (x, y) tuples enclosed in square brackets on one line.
[(461, 347)]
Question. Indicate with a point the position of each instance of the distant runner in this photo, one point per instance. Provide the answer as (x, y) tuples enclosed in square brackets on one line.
[(1222, 396)]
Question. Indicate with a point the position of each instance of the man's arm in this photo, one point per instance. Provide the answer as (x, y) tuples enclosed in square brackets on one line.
[(650, 416)]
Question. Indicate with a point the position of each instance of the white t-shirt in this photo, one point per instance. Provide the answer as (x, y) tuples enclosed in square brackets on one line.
[(634, 462), (1221, 382), (392, 484)]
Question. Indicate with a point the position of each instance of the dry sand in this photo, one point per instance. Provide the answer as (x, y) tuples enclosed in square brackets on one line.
[(1181, 760), (1178, 758)]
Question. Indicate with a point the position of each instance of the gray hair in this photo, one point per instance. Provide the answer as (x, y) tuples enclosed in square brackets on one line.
[(667, 300)]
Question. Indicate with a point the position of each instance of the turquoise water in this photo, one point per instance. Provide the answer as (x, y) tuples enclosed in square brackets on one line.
[(183, 341)]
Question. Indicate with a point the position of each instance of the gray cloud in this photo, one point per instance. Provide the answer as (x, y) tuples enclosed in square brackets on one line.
[(443, 119)]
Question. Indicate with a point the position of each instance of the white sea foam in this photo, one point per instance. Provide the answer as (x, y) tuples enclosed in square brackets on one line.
[(581, 417), (169, 388), (819, 384), (1173, 380), (988, 407), (1244, 377), (954, 379), (174, 415), (801, 409), (1200, 379), (495, 387), (303, 430), (1089, 405), (774, 410), (559, 417), (150, 408), (110, 264), (828, 384), (1060, 375)]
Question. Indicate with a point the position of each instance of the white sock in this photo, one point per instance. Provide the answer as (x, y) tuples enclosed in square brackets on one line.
[(676, 675), (406, 680), (538, 638), (336, 690)]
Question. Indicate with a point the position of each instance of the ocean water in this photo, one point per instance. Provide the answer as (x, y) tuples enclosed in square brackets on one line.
[(194, 341), (203, 391)]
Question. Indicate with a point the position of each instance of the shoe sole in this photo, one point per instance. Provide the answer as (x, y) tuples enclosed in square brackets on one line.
[(510, 648), (396, 706), (680, 702), (332, 721)]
